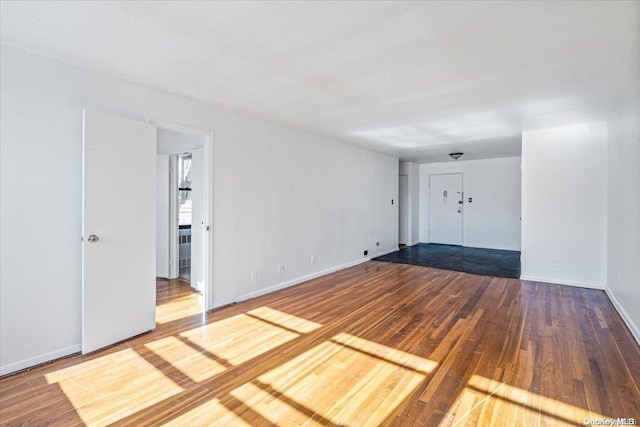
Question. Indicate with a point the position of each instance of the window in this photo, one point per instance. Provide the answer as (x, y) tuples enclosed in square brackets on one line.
[(184, 190)]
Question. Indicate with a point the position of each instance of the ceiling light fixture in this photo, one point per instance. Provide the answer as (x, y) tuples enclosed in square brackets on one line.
[(456, 156)]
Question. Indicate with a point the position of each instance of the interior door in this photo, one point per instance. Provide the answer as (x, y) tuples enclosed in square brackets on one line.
[(445, 209), (118, 227)]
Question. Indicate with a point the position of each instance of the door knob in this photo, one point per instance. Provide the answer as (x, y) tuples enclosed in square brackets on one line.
[(93, 238)]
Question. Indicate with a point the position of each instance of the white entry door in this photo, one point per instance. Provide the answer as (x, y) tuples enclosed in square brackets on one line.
[(118, 227), (445, 209)]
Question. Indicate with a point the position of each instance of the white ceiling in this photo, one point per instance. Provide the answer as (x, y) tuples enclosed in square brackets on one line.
[(412, 79)]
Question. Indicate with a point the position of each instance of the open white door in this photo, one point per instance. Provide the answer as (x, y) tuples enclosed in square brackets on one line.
[(118, 227), (445, 209)]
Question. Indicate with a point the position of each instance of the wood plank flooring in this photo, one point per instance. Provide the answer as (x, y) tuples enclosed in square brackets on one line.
[(376, 344)]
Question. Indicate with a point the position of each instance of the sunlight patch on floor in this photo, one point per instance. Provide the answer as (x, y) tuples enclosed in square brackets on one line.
[(274, 409), (357, 384), (210, 413), (489, 402), (390, 354), (288, 321), (188, 360), (345, 380), (238, 339), (179, 308), (111, 387)]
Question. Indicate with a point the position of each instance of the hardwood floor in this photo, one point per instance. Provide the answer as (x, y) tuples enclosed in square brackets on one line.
[(376, 344)]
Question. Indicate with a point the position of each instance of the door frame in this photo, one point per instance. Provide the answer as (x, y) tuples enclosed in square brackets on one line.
[(463, 209), (404, 204), (174, 267), (209, 138)]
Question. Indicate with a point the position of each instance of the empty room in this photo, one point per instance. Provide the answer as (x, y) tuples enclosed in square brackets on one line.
[(337, 213)]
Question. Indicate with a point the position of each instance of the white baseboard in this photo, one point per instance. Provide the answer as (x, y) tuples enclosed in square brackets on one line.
[(384, 253), (221, 304), (635, 331), (414, 243), (563, 282), (43, 358), (298, 280), (295, 281)]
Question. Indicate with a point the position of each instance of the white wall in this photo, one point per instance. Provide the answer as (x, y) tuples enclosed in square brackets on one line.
[(280, 197), (492, 219), (623, 209), (564, 190)]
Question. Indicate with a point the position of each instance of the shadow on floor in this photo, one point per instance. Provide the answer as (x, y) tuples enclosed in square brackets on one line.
[(486, 262)]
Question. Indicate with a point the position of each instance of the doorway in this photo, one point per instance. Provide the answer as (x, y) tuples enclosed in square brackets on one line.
[(403, 211), (119, 247), (446, 199), (184, 210), (190, 218)]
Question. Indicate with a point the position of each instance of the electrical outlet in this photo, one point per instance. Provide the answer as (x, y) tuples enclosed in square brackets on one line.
[(313, 259), (254, 275), (377, 243), (555, 262), (281, 269), (366, 253)]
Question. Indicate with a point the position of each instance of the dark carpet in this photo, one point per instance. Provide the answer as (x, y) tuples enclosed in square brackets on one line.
[(486, 262)]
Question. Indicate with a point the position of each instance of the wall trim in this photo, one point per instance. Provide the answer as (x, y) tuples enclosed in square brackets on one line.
[(635, 330), (494, 248), (383, 253), (38, 360), (298, 280), (476, 247), (563, 282)]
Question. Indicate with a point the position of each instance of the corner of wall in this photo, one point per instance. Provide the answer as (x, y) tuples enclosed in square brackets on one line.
[(574, 283), (633, 328)]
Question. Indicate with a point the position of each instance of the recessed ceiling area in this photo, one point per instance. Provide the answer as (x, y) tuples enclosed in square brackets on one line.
[(416, 80)]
